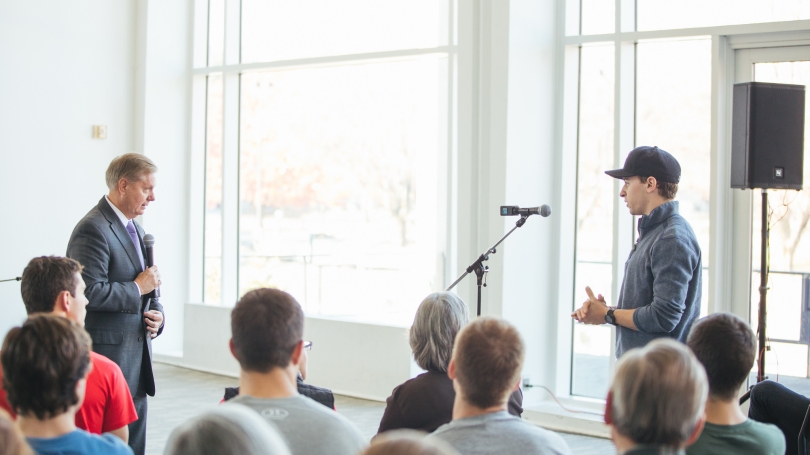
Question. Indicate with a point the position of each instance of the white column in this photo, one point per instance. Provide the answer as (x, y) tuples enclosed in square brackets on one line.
[(163, 121)]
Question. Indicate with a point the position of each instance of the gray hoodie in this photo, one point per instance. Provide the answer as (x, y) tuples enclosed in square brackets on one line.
[(662, 280)]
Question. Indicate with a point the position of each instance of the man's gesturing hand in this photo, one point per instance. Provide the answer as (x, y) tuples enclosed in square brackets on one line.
[(593, 310), (148, 280), (153, 320)]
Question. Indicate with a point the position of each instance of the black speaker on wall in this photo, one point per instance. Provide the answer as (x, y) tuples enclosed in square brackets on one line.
[(767, 136)]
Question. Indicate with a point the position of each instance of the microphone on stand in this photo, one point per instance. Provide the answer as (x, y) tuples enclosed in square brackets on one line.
[(149, 260), (513, 210)]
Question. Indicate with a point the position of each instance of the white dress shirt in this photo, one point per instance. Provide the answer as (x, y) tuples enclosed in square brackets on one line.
[(121, 216), (125, 221)]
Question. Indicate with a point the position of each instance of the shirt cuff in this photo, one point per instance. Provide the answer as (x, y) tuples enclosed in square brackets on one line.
[(139, 288)]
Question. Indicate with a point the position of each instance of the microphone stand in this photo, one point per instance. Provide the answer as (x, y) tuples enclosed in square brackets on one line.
[(19, 278), (478, 266)]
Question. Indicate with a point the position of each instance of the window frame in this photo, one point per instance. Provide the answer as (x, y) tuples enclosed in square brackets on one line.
[(231, 71), (727, 286)]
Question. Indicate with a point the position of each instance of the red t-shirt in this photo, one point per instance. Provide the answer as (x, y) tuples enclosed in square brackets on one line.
[(107, 403)]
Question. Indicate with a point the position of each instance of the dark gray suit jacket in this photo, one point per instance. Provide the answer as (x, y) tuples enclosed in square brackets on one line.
[(115, 312)]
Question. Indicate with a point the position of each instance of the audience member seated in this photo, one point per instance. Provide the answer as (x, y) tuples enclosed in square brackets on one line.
[(485, 369), (407, 442), (656, 401), (12, 441), (227, 429), (267, 326), (727, 347), (54, 285), (426, 401), (774, 403), (321, 395), (46, 364)]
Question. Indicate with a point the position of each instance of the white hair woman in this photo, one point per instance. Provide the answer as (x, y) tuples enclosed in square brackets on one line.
[(426, 401), (229, 428)]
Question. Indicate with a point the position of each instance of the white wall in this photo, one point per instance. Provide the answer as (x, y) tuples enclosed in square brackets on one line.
[(351, 358), (507, 157), (64, 66), (529, 263), (162, 122), (69, 65)]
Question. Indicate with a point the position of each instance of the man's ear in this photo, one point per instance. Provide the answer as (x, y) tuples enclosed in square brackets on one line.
[(698, 429), (233, 351), (451, 370), (122, 185), (651, 184), (296, 356), (609, 409), (62, 304)]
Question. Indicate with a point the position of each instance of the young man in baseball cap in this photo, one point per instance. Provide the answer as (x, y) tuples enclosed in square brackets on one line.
[(660, 294)]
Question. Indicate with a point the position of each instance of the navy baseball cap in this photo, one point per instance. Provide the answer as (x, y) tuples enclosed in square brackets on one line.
[(649, 162)]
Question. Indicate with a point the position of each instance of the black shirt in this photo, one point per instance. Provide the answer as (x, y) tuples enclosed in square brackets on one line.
[(426, 403)]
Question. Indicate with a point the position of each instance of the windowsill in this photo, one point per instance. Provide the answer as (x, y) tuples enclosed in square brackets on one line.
[(551, 416), (395, 320)]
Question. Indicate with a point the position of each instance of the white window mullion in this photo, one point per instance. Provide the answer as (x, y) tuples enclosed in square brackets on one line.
[(197, 186), (722, 198), (230, 189), (623, 142), (230, 158), (566, 206)]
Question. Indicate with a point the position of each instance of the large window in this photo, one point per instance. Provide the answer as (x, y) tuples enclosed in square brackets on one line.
[(631, 92), (673, 111), (655, 72), (595, 200), (789, 259), (666, 14), (326, 129)]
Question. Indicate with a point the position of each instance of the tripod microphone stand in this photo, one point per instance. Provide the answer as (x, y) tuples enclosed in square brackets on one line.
[(478, 266)]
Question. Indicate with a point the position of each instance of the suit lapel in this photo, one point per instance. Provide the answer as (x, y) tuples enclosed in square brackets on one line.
[(120, 232)]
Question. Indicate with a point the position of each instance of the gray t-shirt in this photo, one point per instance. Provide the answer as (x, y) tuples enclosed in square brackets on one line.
[(502, 433), (307, 426)]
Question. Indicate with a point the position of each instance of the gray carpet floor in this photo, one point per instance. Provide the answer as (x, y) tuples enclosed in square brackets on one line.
[(183, 394)]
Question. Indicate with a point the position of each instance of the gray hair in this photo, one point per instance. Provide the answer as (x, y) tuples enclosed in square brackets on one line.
[(229, 428), (439, 318), (658, 394), (130, 166)]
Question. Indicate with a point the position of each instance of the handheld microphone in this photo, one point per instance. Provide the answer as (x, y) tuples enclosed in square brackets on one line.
[(149, 260), (513, 210)]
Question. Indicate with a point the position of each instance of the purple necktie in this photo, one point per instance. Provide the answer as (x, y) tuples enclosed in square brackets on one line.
[(134, 236)]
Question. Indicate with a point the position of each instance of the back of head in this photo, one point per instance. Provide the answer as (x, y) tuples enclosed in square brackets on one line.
[(266, 325), (229, 428), (42, 362), (407, 442), (726, 346), (658, 394), (44, 278), (439, 318), (488, 357), (129, 166)]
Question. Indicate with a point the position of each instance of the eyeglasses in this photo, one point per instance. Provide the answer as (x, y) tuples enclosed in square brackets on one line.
[(308, 345)]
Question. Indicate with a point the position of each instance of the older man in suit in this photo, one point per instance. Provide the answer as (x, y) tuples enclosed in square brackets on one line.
[(122, 317)]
